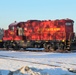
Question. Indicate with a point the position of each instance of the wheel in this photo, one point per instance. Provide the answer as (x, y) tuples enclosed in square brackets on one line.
[(51, 49)]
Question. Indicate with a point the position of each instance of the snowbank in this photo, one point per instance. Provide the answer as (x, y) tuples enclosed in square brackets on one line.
[(40, 63)]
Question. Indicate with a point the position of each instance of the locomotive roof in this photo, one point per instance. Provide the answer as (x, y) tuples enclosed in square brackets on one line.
[(16, 23), (13, 24)]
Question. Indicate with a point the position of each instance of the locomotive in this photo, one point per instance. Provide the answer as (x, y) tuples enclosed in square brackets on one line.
[(48, 34)]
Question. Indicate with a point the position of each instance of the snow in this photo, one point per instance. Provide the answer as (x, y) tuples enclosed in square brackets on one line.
[(45, 63)]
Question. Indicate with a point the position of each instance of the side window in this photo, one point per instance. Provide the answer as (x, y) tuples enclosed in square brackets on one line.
[(12, 28), (20, 31)]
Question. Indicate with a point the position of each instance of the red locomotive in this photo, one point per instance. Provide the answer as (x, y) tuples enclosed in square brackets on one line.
[(51, 34)]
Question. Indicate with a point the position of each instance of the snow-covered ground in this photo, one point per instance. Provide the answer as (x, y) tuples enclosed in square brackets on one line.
[(44, 63)]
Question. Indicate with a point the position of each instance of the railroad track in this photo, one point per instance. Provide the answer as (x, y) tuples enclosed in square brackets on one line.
[(73, 51), (36, 50), (27, 49)]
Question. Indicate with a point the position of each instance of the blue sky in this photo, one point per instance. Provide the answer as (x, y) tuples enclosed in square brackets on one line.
[(23, 10)]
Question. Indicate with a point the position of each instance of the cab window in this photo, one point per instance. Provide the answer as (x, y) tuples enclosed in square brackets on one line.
[(12, 28), (68, 23)]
